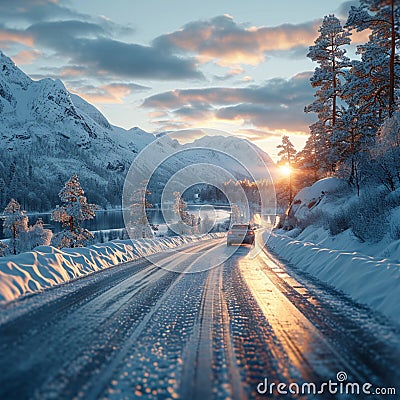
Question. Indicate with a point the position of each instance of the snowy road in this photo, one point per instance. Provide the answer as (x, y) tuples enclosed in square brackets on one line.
[(140, 331)]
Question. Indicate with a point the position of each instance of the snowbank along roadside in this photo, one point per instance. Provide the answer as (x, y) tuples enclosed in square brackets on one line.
[(47, 266)]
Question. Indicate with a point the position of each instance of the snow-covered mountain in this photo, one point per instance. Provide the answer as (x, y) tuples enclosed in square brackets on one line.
[(47, 134)]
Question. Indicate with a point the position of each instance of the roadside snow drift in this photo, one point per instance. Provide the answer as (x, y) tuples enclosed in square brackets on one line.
[(47, 266), (368, 280)]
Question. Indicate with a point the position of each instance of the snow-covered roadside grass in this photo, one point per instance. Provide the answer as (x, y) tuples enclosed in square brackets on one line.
[(47, 266), (374, 281)]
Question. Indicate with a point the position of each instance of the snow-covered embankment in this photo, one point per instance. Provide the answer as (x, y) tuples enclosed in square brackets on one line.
[(347, 241), (47, 266), (368, 280)]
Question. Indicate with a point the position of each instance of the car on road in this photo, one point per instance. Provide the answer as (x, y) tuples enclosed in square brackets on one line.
[(240, 234)]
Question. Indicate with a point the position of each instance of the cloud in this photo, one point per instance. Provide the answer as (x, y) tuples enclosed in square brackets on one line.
[(230, 43), (86, 40), (35, 10), (256, 134), (188, 135), (8, 36), (276, 104), (26, 56), (88, 43), (58, 34), (276, 90), (132, 60), (297, 52), (266, 116), (113, 93), (72, 71), (343, 10)]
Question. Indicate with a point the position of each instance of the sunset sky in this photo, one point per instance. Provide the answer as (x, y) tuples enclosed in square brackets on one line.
[(239, 66)]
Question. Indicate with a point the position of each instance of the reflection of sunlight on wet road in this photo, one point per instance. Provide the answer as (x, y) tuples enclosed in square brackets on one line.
[(305, 347), (290, 327)]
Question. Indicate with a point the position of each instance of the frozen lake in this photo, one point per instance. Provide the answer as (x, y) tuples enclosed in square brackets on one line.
[(113, 219)]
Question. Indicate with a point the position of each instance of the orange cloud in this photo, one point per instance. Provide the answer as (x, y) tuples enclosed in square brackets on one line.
[(360, 37), (15, 37), (157, 114), (107, 94), (114, 93), (254, 134), (228, 43), (26, 56), (72, 72), (236, 71)]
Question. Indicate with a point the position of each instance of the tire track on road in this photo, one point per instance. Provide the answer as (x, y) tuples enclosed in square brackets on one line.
[(59, 354), (153, 301)]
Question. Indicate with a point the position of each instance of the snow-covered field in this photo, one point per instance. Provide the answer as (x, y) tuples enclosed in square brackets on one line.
[(366, 270), (48, 266)]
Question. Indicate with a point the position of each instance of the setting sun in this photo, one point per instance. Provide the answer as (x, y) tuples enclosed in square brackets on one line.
[(285, 170)]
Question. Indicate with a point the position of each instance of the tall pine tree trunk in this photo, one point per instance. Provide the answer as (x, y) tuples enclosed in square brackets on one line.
[(290, 178), (334, 86), (71, 228), (392, 59), (14, 228)]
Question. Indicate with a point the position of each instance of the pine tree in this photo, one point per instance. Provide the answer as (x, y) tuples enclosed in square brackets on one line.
[(306, 161), (73, 211), (287, 154), (378, 69), (328, 52), (15, 222), (356, 142), (370, 86)]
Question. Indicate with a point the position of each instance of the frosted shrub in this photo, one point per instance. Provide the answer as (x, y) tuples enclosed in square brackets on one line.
[(339, 222), (3, 248), (315, 218), (38, 235), (393, 199), (395, 224), (368, 216)]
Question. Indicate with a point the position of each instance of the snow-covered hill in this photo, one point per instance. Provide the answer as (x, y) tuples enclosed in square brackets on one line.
[(47, 134)]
